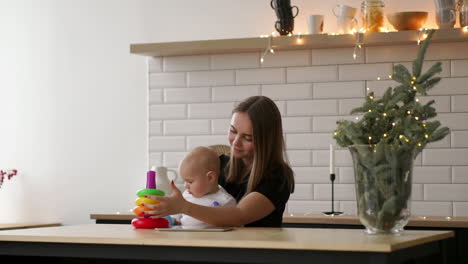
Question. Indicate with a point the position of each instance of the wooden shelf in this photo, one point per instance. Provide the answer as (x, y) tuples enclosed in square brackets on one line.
[(222, 46)]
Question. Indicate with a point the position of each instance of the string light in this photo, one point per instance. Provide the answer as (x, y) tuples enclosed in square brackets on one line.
[(424, 34), (299, 39), (390, 76), (378, 78), (384, 114), (426, 135), (408, 112), (465, 29), (416, 117), (371, 97), (385, 135), (419, 144), (269, 48), (359, 42), (417, 99)]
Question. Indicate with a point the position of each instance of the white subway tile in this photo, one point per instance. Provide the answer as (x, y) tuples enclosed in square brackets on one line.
[(460, 103), (173, 111), (165, 80), (297, 124), (328, 123), (446, 192), (155, 128), (214, 110), (211, 78), (417, 193), (442, 103), (261, 76), (365, 71), (195, 141), (302, 192), (172, 159), (220, 126), (459, 68), (454, 121), (427, 65), (311, 74), (186, 63), (187, 127), (187, 95), (339, 89), (309, 141), (346, 105), (418, 160), (460, 209), (235, 61), (288, 91), (445, 157), (450, 86), (346, 175), (166, 144), (155, 64), (311, 107), (425, 208), (155, 96), (380, 87), (460, 174), (348, 207), (287, 58), (443, 51), (299, 157), (281, 107), (343, 192), (234, 93), (155, 159), (322, 158), (459, 139), (335, 56), (311, 174), (391, 53), (432, 174), (309, 207)]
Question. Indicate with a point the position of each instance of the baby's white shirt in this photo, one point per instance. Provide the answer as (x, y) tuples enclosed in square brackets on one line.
[(219, 198)]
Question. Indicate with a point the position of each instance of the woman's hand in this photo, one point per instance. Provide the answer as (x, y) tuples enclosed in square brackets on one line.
[(168, 205)]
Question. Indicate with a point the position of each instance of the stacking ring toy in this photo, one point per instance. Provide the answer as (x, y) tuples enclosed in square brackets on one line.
[(143, 200), (150, 223), (140, 210), (154, 192)]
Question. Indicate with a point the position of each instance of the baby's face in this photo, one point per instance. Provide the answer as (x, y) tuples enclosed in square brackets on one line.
[(196, 182)]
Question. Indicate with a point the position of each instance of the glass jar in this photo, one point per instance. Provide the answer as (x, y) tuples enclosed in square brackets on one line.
[(372, 15), (463, 7)]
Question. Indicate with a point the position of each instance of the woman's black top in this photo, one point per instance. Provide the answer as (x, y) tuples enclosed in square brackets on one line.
[(273, 187)]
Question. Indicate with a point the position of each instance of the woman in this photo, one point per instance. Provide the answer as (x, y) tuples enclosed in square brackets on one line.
[(256, 172)]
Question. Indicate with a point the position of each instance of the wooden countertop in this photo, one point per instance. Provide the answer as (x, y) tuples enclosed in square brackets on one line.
[(317, 41), (422, 221), (7, 226), (257, 238)]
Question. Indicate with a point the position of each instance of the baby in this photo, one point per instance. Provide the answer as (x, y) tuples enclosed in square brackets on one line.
[(200, 170)]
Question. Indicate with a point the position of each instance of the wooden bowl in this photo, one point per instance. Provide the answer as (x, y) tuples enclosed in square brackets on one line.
[(412, 20)]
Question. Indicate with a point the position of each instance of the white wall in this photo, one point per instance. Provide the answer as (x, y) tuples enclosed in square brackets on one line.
[(73, 107)]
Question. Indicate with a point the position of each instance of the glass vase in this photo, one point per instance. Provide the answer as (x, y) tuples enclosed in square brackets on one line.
[(383, 181)]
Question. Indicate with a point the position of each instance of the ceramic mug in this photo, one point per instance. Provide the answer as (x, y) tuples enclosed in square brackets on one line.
[(284, 26), (315, 23), (346, 20), (446, 17)]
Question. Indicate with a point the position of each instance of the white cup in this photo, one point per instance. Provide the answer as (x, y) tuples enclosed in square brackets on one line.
[(315, 23), (445, 17), (344, 11)]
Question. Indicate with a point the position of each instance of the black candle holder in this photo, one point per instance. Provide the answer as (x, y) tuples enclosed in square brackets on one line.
[(332, 212)]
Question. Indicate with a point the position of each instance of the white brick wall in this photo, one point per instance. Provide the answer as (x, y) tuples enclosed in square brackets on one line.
[(191, 98)]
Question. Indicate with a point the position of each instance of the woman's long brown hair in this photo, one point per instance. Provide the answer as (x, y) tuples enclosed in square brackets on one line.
[(269, 148)]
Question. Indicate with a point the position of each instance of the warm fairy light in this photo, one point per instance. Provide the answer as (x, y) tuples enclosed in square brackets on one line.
[(384, 29), (359, 46), (401, 136), (370, 110), (336, 133), (290, 34), (385, 135), (408, 112), (426, 135), (416, 117), (371, 97), (378, 78), (424, 36), (424, 124), (390, 76), (419, 144), (393, 124), (407, 140), (414, 88), (261, 60), (299, 39), (417, 99), (370, 138), (412, 82), (272, 51), (354, 56), (465, 29), (414, 77), (357, 118), (448, 218), (384, 114)]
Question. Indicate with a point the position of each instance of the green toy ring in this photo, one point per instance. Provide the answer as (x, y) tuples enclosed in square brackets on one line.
[(154, 192)]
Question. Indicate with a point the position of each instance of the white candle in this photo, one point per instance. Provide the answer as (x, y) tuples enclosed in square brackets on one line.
[(332, 159)]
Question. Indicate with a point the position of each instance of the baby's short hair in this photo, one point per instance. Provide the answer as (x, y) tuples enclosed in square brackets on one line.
[(202, 158)]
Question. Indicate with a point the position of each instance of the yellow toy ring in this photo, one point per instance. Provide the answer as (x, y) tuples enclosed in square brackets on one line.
[(143, 200)]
